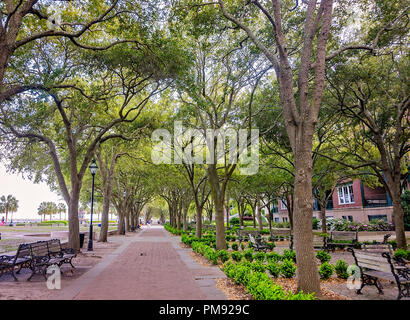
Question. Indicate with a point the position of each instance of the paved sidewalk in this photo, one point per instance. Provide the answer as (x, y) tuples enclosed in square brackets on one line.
[(149, 266)]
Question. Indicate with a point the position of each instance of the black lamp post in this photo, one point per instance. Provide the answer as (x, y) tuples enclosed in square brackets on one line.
[(93, 169)]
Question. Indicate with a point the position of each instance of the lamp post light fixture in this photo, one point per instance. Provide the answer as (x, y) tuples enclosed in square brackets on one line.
[(93, 169)]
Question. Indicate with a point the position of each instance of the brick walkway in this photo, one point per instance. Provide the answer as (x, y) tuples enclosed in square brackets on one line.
[(149, 266)]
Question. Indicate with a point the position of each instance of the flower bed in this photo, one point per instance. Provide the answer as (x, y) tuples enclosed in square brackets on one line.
[(344, 225)]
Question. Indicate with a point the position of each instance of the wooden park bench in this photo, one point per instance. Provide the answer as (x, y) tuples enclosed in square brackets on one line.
[(56, 251), (243, 234), (22, 259), (277, 234), (377, 248), (386, 238), (206, 227), (319, 242), (40, 259), (375, 266), (341, 238), (257, 243), (48, 253)]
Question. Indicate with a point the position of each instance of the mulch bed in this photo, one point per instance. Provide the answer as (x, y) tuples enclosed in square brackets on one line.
[(238, 292), (327, 294), (232, 290)]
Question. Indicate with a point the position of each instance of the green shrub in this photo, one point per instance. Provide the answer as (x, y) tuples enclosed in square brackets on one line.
[(242, 246), (258, 266), (326, 270), (248, 254), (273, 256), (238, 273), (323, 256), (211, 255), (236, 256), (289, 255), (341, 269), (187, 239), (171, 229), (315, 222), (273, 268), (260, 256), (393, 244), (403, 254), (223, 255), (271, 245), (288, 268), (259, 284), (234, 246), (234, 221)]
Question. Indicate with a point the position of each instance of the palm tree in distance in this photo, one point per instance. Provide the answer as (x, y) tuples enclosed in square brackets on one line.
[(8, 204), (61, 208)]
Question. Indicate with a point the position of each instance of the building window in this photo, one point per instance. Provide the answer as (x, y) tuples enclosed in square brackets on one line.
[(283, 205), (378, 217), (285, 219), (345, 193), (276, 219), (344, 217), (350, 218)]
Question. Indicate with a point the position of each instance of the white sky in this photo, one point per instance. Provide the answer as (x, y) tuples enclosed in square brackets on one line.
[(29, 194)]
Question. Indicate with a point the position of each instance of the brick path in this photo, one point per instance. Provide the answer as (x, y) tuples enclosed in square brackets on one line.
[(149, 266)]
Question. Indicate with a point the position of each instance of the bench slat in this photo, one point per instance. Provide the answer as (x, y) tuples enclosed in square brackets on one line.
[(374, 266), (371, 256), (374, 262), (382, 275)]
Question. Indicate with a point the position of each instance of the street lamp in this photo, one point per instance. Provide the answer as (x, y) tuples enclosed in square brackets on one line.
[(93, 169)]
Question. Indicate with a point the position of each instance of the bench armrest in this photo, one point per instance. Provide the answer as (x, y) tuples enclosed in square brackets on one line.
[(403, 271), (6, 258), (68, 250)]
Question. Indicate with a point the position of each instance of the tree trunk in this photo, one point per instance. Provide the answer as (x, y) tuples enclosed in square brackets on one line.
[(73, 221), (398, 216), (198, 227), (104, 217), (323, 218), (307, 271), (254, 218), (259, 213), (127, 221), (185, 216), (220, 225), (121, 229), (178, 220), (227, 208)]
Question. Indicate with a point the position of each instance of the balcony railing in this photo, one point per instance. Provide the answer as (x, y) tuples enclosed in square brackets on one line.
[(375, 203)]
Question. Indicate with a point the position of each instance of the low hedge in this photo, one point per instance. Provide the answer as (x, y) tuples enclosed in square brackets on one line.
[(259, 284), (47, 223)]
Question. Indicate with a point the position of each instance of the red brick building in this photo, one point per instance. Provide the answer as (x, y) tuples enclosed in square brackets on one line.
[(351, 200)]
